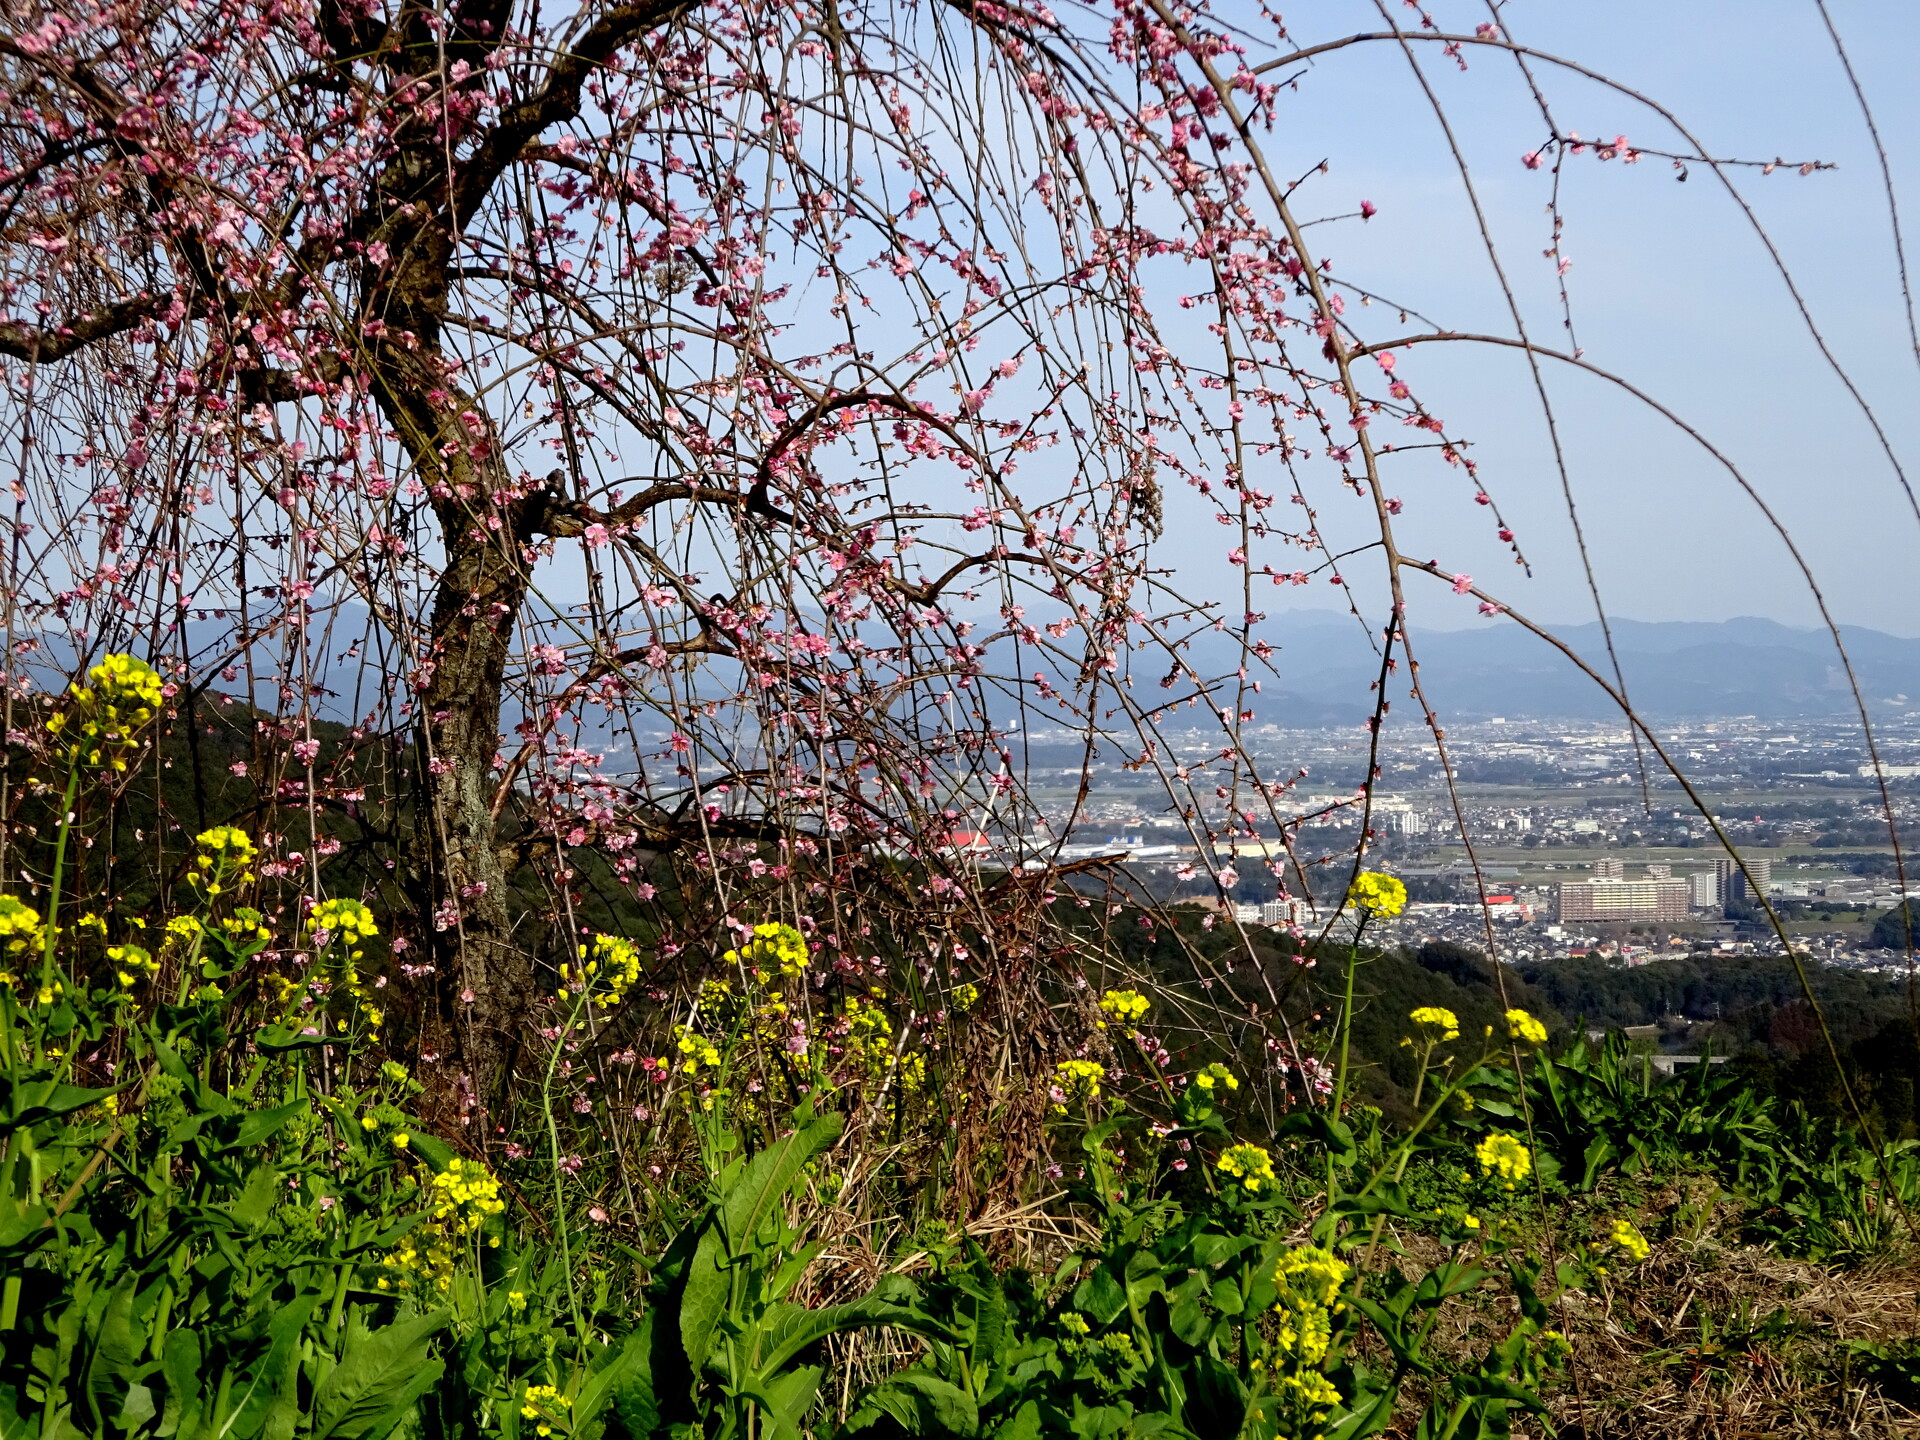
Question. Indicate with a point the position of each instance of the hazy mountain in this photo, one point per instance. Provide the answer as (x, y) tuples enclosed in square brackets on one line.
[(1676, 668), (1324, 664)]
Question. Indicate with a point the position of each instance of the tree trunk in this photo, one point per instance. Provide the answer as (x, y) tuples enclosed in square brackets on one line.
[(483, 980)]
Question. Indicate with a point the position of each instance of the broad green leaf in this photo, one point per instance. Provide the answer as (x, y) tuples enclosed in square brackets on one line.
[(137, 1410), (262, 1125), (762, 1184), (785, 1399), (787, 1330), (1101, 1296), (180, 1364), (432, 1149), (380, 1374), (36, 1103), (921, 1404)]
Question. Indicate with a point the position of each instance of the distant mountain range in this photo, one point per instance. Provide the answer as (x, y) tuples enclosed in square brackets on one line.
[(1325, 667), (1673, 669)]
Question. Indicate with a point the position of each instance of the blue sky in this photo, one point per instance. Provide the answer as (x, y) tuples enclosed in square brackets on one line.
[(1671, 288)]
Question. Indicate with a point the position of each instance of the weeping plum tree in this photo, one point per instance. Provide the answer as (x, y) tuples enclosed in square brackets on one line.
[(684, 443)]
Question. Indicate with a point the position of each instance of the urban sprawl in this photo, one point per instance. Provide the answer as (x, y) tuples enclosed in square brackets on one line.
[(1554, 839)]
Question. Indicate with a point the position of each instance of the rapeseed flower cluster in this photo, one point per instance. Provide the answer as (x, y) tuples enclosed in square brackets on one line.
[(1377, 894), (870, 1036), (347, 920), (1249, 1164), (1075, 1080), (245, 927), (1504, 1158), (1126, 1006), (132, 964), (773, 947), (350, 922), (20, 932), (1630, 1242), (1215, 1076), (99, 727), (1308, 1281), (697, 1053), (226, 853), (20, 925), (462, 1198), (464, 1195), (1523, 1027), (608, 968), (1432, 1019), (546, 1407)]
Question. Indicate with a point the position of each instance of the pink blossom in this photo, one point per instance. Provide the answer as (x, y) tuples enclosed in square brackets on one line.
[(1462, 584), (1368, 210)]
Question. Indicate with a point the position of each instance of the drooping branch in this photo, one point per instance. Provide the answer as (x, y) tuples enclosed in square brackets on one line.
[(39, 347)]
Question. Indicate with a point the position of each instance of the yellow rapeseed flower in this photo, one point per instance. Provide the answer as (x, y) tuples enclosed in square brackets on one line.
[(1505, 1158), (608, 967), (1434, 1017), (1630, 1242), (100, 724), (347, 920), (1127, 1006), (1076, 1080), (20, 925), (1216, 1075), (773, 946), (1249, 1164), (1377, 894), (1524, 1028)]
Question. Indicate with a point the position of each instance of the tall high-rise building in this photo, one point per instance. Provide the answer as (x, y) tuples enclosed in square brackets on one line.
[(1706, 890), (1734, 889), (1608, 868)]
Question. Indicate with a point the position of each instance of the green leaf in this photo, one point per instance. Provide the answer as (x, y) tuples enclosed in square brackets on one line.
[(1191, 1322), (116, 1349), (785, 1400), (787, 1330), (41, 1101), (180, 1364), (922, 1405), (1024, 1424), (432, 1149), (625, 1366), (255, 1203), (1101, 1296), (137, 1410), (380, 1374), (1216, 1400), (262, 1125), (293, 1035), (762, 1185), (265, 1399), (1320, 1130)]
